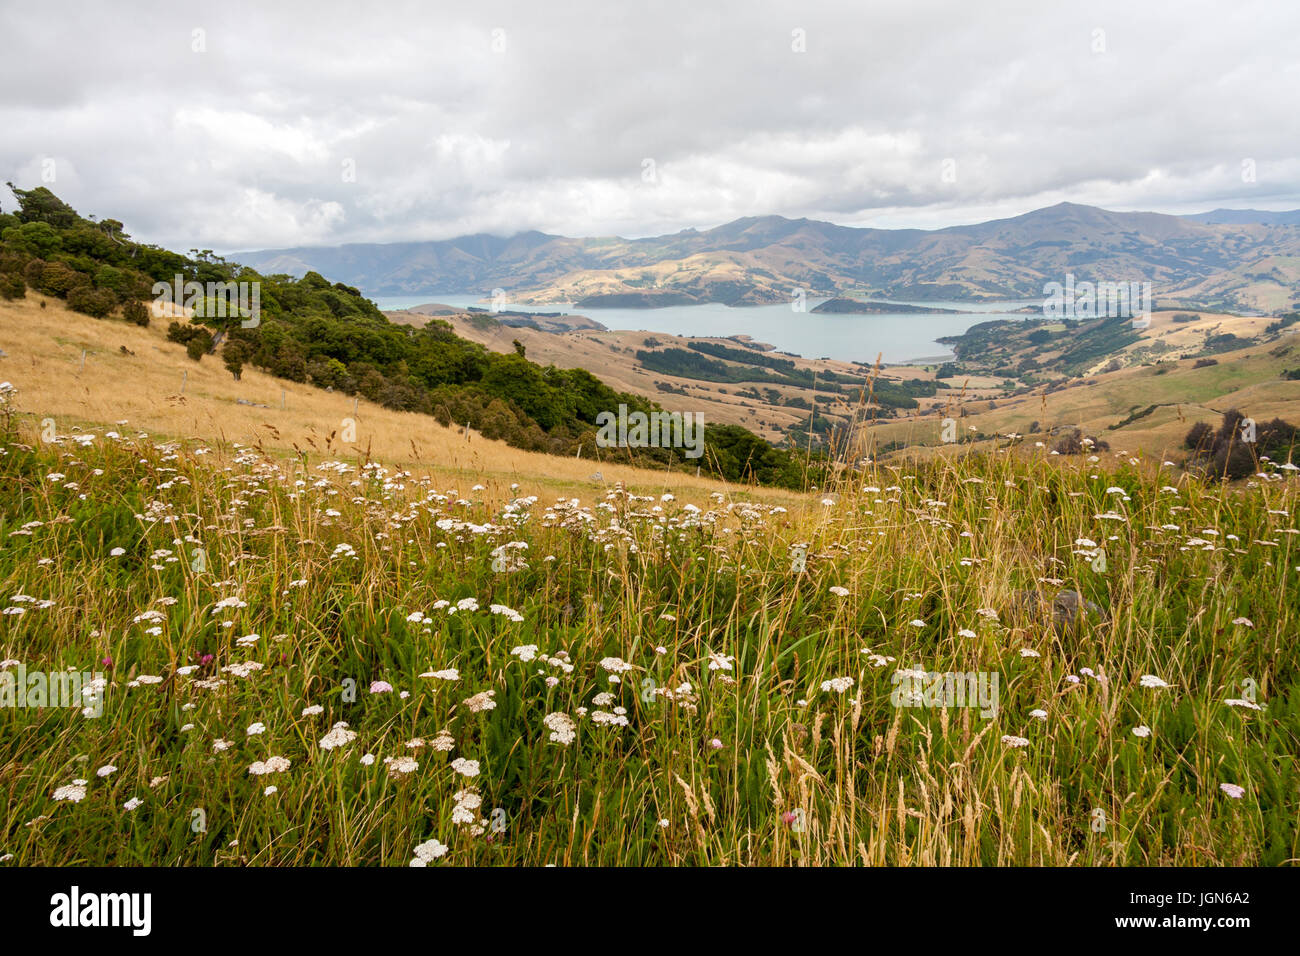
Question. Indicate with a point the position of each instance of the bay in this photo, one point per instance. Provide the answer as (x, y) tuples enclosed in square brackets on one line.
[(896, 338)]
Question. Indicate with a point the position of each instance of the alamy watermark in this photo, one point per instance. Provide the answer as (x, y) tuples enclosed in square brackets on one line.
[(653, 430), (82, 690), (1098, 300), (229, 299), (916, 688)]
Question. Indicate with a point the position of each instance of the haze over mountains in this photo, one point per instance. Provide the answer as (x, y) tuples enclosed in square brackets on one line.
[(1228, 258)]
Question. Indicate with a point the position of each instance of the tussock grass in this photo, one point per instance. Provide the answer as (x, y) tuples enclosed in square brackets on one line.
[(717, 744)]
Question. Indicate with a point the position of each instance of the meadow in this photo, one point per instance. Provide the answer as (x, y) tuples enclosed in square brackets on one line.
[(321, 659)]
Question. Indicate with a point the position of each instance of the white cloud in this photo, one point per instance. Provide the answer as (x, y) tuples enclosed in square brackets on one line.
[(248, 144)]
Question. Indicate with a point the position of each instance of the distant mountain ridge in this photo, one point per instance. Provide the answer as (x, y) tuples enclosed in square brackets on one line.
[(763, 259)]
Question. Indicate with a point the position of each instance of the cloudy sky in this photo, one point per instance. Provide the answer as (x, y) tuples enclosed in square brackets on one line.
[(238, 126)]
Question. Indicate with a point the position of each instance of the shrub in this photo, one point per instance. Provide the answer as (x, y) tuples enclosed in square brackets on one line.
[(136, 312), (196, 347), (91, 301), (12, 286)]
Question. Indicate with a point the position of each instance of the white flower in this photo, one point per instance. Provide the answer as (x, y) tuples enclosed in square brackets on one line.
[(339, 736), (1233, 790), (105, 770), (256, 728), (1142, 731), (616, 665), (428, 850), (1242, 702), (839, 591), (132, 804), (837, 684), (466, 768), (1151, 680), (1012, 741), (480, 702), (563, 729)]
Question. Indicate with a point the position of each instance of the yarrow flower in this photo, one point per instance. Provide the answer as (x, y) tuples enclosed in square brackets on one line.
[(1233, 790), (563, 729), (339, 736), (428, 851), (837, 685)]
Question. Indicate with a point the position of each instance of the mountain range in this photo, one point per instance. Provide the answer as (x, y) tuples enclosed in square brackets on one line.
[(1231, 259)]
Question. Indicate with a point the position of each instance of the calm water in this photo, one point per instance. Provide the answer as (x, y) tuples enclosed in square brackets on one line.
[(901, 337)]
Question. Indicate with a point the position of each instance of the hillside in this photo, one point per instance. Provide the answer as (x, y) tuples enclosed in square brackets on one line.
[(312, 331), (762, 259)]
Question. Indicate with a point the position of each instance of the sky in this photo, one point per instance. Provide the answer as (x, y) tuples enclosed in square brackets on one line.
[(228, 126)]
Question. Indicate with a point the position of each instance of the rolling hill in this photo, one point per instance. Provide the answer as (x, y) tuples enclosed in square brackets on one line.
[(1190, 259)]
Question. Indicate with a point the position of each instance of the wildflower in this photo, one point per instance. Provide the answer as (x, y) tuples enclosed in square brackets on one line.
[(427, 851), (399, 766), (1142, 731), (720, 662), (105, 770), (563, 729), (339, 736), (1233, 790), (313, 710), (1243, 621), (74, 792), (525, 652), (837, 685), (615, 665), (381, 687), (450, 673), (1242, 702), (132, 804), (256, 728), (839, 591), (1013, 741), (480, 702), (1151, 680), (466, 768)]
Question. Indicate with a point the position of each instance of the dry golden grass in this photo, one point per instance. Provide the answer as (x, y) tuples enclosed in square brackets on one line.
[(159, 390)]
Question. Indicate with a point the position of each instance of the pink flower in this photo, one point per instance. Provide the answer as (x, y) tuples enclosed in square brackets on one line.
[(715, 743), (1233, 790), (788, 817), (381, 687)]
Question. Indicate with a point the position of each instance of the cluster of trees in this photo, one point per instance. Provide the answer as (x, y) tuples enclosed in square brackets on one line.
[(329, 335), (1234, 450)]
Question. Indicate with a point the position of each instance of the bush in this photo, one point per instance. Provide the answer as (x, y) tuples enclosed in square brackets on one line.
[(136, 312), (1226, 453), (55, 278), (197, 347), (93, 302), (1205, 363), (12, 286), (1075, 443)]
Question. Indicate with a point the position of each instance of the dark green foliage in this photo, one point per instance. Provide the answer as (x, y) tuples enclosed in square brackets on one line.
[(1231, 453), (93, 302), (12, 286), (136, 312)]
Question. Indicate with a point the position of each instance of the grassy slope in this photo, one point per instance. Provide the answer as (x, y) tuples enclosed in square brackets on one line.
[(45, 345), (798, 774)]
